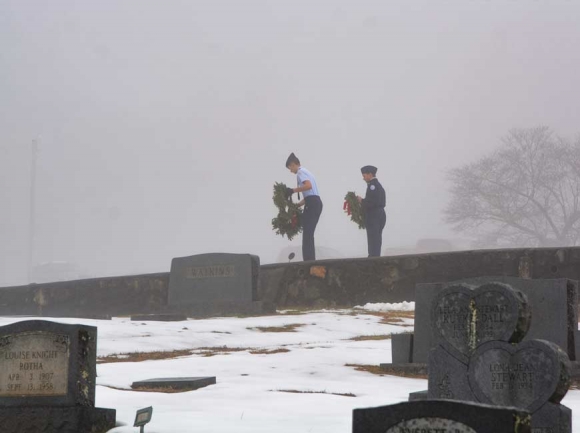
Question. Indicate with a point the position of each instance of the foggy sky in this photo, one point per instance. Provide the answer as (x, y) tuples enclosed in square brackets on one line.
[(162, 125)]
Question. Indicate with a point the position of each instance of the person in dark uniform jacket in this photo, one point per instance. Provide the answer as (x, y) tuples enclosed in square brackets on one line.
[(312, 204), (374, 210)]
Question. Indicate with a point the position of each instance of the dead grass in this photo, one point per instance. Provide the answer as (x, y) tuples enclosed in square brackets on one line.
[(376, 369), (390, 317), (370, 337), (291, 327), (201, 351), (268, 351), (142, 356), (165, 390), (213, 351), (295, 391)]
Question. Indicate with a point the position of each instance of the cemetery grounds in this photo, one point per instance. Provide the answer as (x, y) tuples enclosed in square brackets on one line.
[(298, 371)]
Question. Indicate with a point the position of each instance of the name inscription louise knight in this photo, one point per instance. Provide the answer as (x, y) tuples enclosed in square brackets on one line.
[(33, 364)]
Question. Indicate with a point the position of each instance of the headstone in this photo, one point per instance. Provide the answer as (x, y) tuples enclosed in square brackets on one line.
[(47, 379), (440, 416), (402, 348), (463, 317), (480, 356), (525, 375), (176, 383), (213, 277), (448, 377), (418, 395), (217, 284), (553, 304)]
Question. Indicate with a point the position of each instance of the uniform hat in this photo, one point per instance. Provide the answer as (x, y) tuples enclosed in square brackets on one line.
[(292, 159), (369, 169)]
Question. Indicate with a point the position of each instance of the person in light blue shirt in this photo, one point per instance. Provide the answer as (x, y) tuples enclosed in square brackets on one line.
[(311, 202)]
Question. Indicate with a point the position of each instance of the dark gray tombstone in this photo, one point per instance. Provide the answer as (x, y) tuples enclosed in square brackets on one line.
[(533, 375), (47, 379), (213, 277), (418, 395), (447, 377), (440, 416), (480, 356), (175, 383), (215, 284), (402, 348), (553, 304), (463, 317)]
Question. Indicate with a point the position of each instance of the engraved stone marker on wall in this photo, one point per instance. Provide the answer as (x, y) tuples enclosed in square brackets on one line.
[(47, 379)]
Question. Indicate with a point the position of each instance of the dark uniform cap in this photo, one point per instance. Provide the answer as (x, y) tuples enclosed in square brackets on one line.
[(369, 169), (292, 159)]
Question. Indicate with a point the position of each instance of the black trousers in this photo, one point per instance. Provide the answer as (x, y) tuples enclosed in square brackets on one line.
[(312, 211), (375, 220)]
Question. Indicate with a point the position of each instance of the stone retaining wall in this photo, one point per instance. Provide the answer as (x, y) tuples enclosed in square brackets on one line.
[(325, 283)]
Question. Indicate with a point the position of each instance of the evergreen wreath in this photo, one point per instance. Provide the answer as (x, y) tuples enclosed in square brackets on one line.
[(354, 209), (289, 219)]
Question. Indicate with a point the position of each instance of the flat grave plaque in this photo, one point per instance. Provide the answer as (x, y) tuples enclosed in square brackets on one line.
[(176, 383)]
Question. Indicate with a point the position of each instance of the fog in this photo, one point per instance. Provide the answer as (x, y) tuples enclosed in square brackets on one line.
[(162, 126)]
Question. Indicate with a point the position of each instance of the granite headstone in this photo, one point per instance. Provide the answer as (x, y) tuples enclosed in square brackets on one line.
[(494, 366), (213, 277), (533, 375), (463, 317), (47, 379), (552, 302), (206, 285)]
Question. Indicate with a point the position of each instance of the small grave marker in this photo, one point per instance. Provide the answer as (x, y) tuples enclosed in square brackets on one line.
[(143, 417), (175, 383)]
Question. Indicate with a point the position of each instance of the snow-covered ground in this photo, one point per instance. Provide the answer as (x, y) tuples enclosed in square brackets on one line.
[(250, 394)]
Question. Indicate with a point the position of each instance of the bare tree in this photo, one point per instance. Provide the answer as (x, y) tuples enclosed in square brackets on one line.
[(526, 193)]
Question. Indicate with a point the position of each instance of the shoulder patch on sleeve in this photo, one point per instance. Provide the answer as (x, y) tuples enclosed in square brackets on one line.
[(372, 187)]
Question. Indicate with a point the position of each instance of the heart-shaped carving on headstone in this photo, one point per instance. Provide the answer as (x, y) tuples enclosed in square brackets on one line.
[(463, 317), (524, 375)]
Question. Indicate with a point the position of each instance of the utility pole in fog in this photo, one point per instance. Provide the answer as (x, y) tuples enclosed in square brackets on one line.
[(34, 152)]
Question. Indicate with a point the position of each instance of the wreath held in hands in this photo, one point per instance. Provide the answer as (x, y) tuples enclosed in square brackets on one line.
[(354, 209), (288, 222)]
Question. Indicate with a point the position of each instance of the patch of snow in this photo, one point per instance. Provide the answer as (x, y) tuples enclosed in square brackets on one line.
[(401, 306)]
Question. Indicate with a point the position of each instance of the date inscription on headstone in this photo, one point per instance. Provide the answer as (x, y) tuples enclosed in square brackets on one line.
[(34, 364), (430, 425)]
